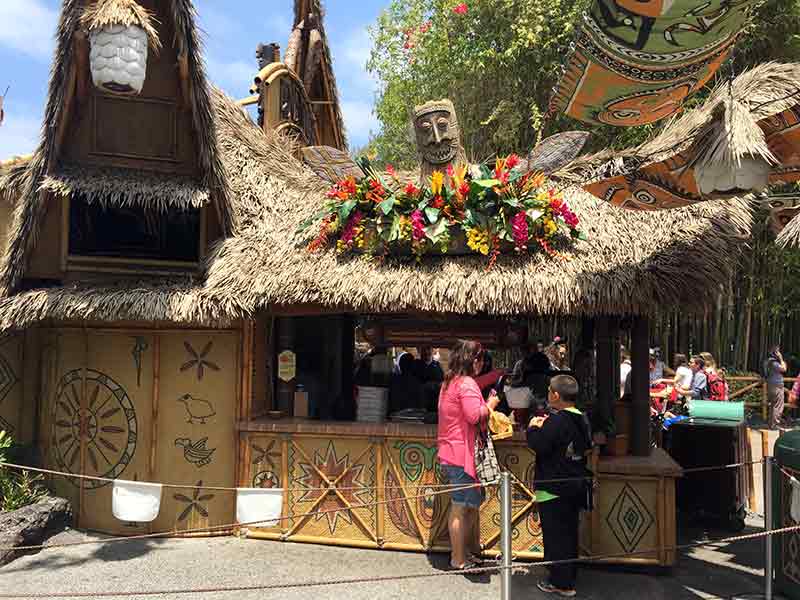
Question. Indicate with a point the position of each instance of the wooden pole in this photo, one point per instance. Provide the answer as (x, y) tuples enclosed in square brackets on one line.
[(607, 372), (640, 387)]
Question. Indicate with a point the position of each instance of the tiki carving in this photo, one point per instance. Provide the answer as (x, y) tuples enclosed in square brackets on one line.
[(438, 137)]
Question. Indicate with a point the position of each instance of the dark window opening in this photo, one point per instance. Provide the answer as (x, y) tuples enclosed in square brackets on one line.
[(133, 232)]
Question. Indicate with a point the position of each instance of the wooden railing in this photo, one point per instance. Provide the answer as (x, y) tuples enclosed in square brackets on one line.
[(759, 383)]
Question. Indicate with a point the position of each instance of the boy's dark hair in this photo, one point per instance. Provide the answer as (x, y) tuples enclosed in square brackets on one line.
[(700, 362), (566, 386)]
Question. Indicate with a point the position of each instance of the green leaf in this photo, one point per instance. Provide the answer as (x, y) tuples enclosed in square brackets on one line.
[(346, 208), (487, 183), (394, 231), (423, 204), (432, 214), (436, 231), (582, 236), (512, 202), (310, 220), (387, 205)]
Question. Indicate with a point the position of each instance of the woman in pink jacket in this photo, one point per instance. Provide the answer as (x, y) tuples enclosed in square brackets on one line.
[(461, 410)]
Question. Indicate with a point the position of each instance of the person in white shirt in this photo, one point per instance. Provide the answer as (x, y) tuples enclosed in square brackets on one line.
[(624, 371), (683, 374)]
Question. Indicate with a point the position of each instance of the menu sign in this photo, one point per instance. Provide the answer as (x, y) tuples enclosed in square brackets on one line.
[(287, 366)]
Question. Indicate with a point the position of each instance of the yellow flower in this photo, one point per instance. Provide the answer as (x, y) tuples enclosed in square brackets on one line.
[(550, 227), (478, 240), (437, 181)]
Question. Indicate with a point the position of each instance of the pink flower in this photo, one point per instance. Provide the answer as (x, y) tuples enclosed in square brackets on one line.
[(425, 27), (390, 170), (519, 229), (512, 161), (570, 218), (417, 226), (349, 231), (461, 9)]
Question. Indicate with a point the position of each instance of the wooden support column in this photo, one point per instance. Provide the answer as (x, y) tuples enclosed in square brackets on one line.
[(640, 387), (607, 372)]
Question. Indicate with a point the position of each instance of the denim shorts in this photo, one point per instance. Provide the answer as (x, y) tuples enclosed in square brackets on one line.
[(456, 476)]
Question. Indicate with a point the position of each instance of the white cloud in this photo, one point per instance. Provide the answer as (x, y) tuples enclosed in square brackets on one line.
[(353, 54), (360, 120), (19, 133), (27, 26)]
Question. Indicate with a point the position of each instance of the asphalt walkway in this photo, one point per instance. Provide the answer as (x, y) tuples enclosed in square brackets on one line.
[(136, 566)]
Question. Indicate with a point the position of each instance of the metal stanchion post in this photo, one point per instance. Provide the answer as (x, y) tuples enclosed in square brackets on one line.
[(505, 535), (768, 527)]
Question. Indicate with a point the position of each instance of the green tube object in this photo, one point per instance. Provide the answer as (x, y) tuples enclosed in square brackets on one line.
[(707, 409)]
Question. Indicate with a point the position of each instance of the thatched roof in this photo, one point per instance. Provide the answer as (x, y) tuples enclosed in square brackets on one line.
[(723, 130), (633, 262), (105, 13), (12, 177), (120, 187), (302, 9), (790, 236), (31, 206)]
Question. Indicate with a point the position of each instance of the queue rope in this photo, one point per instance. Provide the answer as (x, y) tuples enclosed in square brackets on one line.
[(175, 533), (519, 567), (439, 486), (178, 534)]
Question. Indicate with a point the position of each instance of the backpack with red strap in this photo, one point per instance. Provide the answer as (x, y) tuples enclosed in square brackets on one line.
[(717, 388)]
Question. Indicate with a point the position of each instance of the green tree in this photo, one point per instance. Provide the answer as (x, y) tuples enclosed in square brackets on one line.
[(499, 61)]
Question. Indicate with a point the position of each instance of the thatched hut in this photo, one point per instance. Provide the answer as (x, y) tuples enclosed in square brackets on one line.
[(238, 314)]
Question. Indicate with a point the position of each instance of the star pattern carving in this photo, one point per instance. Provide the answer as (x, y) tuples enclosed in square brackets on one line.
[(353, 490), (199, 359)]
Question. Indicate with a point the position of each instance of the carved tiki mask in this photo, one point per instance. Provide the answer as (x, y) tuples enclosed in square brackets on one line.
[(437, 132)]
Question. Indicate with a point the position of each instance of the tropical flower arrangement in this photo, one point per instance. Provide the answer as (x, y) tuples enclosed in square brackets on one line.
[(495, 209)]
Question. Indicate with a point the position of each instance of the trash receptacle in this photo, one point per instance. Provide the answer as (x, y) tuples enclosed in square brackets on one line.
[(786, 547)]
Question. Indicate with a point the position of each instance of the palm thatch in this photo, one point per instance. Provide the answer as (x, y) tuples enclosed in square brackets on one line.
[(152, 301), (31, 206), (120, 187), (790, 236), (721, 131), (105, 13), (12, 177), (302, 8), (632, 263)]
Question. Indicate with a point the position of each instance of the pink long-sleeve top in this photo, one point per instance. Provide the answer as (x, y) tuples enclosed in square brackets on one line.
[(461, 409)]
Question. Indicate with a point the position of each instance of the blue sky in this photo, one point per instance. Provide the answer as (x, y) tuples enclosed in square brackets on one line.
[(232, 28)]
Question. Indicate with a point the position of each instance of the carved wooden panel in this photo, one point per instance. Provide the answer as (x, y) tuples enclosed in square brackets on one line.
[(135, 128), (295, 109)]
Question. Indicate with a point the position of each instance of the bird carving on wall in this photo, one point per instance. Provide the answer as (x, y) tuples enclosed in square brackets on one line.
[(196, 453), (198, 409)]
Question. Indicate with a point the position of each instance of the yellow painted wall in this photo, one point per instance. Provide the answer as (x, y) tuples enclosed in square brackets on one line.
[(137, 413)]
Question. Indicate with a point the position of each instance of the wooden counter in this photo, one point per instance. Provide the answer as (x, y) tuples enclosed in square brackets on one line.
[(392, 467)]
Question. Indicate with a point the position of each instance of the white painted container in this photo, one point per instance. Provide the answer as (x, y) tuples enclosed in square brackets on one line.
[(259, 507), (118, 58), (135, 501)]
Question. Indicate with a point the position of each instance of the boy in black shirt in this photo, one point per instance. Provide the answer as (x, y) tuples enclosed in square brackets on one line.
[(562, 443)]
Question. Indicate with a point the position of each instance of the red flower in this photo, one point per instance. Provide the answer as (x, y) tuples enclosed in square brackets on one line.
[(461, 9), (390, 170), (512, 161), (411, 189), (425, 27), (502, 177), (437, 202), (463, 189), (450, 170)]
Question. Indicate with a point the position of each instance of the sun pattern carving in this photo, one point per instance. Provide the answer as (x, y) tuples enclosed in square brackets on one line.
[(353, 490)]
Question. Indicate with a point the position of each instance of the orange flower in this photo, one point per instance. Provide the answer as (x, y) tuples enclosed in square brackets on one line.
[(376, 193)]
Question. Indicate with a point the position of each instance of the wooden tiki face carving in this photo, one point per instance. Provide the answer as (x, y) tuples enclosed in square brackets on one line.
[(437, 132)]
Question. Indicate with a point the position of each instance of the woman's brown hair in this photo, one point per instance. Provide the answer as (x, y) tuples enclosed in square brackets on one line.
[(463, 354)]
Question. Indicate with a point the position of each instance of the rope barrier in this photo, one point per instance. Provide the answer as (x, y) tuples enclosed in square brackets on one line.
[(441, 486), (227, 527), (519, 567)]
